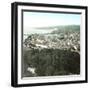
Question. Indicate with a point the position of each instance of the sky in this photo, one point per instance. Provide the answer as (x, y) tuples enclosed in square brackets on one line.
[(42, 19)]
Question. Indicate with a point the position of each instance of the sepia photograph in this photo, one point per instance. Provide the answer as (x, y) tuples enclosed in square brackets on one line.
[(51, 44)]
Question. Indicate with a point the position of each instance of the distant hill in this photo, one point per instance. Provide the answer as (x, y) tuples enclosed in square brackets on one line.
[(59, 26), (65, 29)]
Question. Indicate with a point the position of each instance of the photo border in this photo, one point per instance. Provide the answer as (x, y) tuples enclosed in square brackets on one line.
[(14, 43)]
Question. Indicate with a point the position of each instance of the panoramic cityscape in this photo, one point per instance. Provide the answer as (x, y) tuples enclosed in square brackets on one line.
[(51, 44)]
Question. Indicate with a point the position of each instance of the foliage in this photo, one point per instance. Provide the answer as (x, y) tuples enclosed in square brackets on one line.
[(49, 62)]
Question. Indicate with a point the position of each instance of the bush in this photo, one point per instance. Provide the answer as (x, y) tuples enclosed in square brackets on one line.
[(49, 62)]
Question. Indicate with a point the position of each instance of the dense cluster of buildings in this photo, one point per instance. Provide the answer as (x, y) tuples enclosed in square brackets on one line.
[(65, 41)]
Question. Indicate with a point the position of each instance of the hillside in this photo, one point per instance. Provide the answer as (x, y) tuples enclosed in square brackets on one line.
[(55, 53)]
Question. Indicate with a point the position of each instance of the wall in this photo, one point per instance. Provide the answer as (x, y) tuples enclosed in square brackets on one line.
[(5, 46)]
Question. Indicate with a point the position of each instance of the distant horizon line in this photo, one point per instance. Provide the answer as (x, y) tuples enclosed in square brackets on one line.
[(52, 26)]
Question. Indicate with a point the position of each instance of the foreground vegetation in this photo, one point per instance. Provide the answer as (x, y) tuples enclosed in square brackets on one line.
[(51, 62)]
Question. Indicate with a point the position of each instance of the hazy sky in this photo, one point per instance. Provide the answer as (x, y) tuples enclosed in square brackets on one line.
[(40, 19)]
